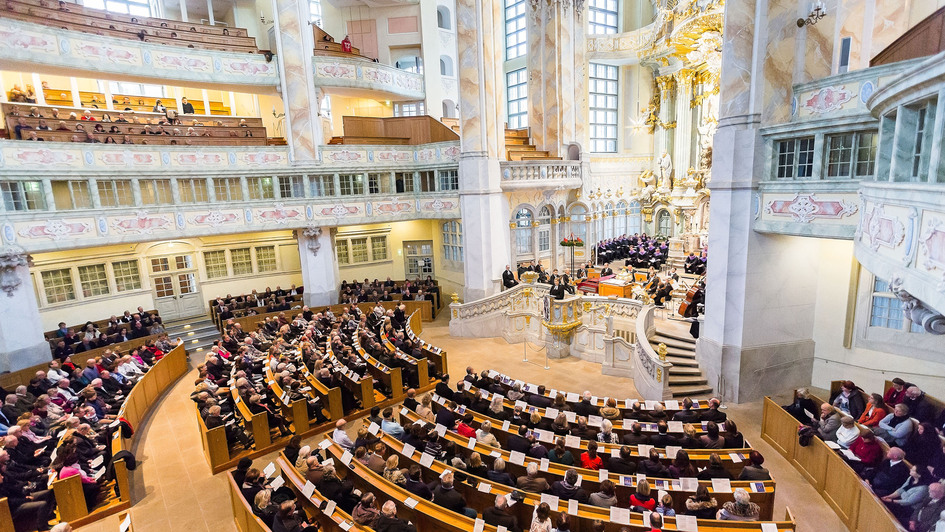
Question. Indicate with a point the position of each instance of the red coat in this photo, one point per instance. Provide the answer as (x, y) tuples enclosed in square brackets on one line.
[(893, 398), (649, 504), (869, 453), (594, 464), (871, 420), (465, 430)]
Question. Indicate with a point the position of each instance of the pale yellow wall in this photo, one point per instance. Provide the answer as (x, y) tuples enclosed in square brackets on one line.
[(100, 307), (867, 368), (343, 106)]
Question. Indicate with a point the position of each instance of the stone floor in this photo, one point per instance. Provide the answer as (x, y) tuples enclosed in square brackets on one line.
[(174, 489)]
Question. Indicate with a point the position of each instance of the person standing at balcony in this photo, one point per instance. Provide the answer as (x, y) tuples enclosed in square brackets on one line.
[(186, 107), (346, 45)]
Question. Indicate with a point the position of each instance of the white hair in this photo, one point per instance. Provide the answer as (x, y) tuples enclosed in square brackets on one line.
[(741, 496), (531, 469), (606, 426)]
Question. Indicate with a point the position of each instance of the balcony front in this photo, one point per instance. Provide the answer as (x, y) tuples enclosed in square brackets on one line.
[(541, 173), (353, 75)]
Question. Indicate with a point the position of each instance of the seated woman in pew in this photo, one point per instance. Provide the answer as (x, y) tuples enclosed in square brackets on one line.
[(875, 411), (904, 501)]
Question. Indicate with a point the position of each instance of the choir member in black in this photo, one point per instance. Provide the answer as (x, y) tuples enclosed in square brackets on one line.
[(691, 262), (508, 278), (557, 291)]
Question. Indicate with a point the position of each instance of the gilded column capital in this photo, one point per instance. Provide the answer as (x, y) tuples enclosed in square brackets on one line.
[(684, 78), (665, 83)]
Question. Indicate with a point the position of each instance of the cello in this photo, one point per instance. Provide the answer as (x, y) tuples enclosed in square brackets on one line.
[(695, 295)]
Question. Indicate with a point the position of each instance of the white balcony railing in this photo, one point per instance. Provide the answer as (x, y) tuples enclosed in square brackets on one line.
[(539, 173), (358, 73)]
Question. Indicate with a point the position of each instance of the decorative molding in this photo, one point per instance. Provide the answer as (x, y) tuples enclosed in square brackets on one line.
[(880, 229), (918, 313), (11, 258), (805, 208), (828, 99), (313, 234)]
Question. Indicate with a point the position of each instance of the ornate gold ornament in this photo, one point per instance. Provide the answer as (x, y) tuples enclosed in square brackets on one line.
[(455, 297), (661, 350)]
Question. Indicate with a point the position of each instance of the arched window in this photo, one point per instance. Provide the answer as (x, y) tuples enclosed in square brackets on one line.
[(620, 219), (443, 17), (544, 229), (449, 109), (664, 224), (579, 222), (609, 221), (446, 66), (633, 218), (523, 232)]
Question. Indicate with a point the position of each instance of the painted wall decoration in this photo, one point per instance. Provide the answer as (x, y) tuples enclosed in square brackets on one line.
[(142, 223), (828, 99), (214, 218), (280, 214), (55, 230), (879, 229), (360, 73), (805, 208)]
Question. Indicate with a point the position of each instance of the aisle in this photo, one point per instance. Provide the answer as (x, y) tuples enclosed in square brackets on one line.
[(174, 489)]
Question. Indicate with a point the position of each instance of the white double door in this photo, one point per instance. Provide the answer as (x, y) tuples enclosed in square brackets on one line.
[(175, 286)]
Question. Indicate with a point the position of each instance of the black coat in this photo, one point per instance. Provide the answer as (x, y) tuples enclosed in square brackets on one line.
[(498, 517), (392, 524)]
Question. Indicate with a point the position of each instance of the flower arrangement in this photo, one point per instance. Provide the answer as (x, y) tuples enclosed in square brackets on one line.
[(572, 242)]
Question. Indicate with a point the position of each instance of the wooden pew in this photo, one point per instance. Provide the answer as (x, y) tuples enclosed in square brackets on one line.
[(243, 514), (100, 324), (331, 397), (419, 364), (480, 497), (363, 389), (590, 480), (295, 411), (391, 377), (436, 354), (257, 424), (215, 447), (134, 118), (314, 504), (6, 518), (849, 496), (134, 131)]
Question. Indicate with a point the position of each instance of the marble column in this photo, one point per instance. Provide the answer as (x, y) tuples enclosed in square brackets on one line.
[(319, 268), (683, 142), (294, 45), (21, 331), (757, 336), (486, 210), (667, 102), (557, 75)]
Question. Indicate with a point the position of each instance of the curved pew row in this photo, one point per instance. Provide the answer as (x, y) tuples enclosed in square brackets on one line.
[(483, 495), (825, 468), (70, 499), (360, 390)]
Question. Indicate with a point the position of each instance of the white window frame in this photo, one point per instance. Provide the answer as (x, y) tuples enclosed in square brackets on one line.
[(516, 84), (453, 241), (603, 17), (23, 196), (348, 255), (603, 94), (516, 34)]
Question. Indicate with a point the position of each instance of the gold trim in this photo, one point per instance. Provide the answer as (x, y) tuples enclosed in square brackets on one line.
[(661, 351)]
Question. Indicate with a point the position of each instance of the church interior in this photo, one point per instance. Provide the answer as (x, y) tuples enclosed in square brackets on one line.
[(464, 265)]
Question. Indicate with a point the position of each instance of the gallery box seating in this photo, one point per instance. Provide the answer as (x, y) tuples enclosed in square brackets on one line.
[(95, 21), (79, 329)]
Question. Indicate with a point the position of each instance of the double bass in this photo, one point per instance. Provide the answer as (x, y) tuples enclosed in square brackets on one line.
[(695, 295)]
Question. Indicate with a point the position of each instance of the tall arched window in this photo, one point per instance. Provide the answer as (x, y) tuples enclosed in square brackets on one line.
[(633, 218), (620, 219), (664, 224), (579, 222), (523, 233), (544, 229), (443, 17)]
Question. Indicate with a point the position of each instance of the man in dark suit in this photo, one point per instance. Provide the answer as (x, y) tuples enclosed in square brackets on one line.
[(713, 414), (447, 497), (539, 398), (186, 107), (929, 510), (416, 485), (557, 291), (518, 442), (606, 271), (499, 515), (623, 464), (443, 388), (508, 278), (584, 407), (635, 436), (890, 474), (687, 414), (662, 438)]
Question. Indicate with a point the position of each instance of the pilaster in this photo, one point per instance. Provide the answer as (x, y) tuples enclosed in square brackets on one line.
[(662, 144), (294, 45), (21, 331), (682, 155), (320, 276)]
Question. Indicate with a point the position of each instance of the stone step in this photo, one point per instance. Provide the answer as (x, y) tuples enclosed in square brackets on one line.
[(682, 362), (658, 339), (685, 370), (679, 380), (691, 391), (679, 352), (679, 336)]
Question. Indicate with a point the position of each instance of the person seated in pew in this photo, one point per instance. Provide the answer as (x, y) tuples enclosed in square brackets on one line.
[(499, 515), (388, 521), (289, 519), (849, 400), (567, 488), (715, 469), (264, 508), (484, 435), (635, 436), (903, 502), (896, 393), (896, 428), (733, 438), (641, 500), (919, 406), (828, 423), (741, 509), (415, 485), (875, 411), (754, 469), (519, 442), (622, 464), (662, 438), (889, 475), (929, 510), (702, 505), (531, 482), (711, 439), (652, 466), (447, 497), (336, 489)]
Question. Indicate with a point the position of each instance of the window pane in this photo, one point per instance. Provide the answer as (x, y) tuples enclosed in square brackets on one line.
[(163, 287), (215, 262), (156, 192), (23, 195), (266, 259), (517, 87), (260, 188), (93, 280), (227, 189), (839, 155), (602, 16), (323, 186), (193, 190), (866, 154), (805, 157), (115, 193), (603, 108), (127, 276), (160, 265), (291, 186), (341, 249), (242, 261), (57, 285), (378, 248), (515, 36), (359, 250), (187, 282)]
